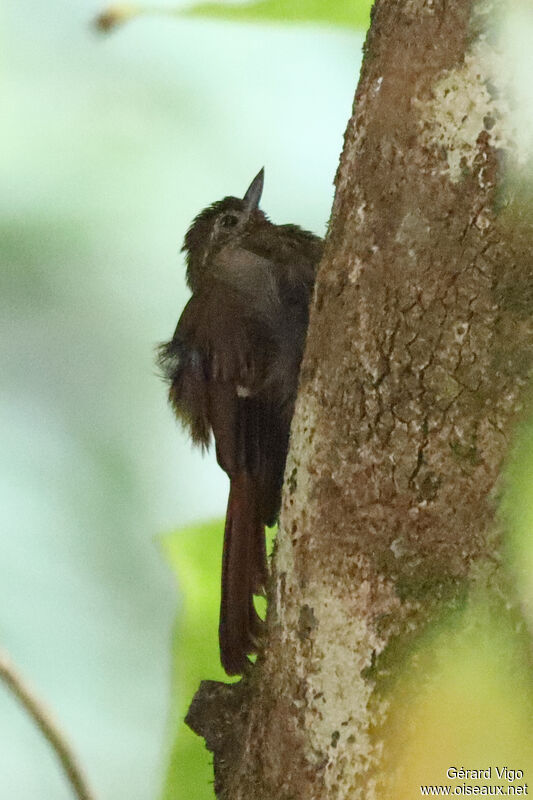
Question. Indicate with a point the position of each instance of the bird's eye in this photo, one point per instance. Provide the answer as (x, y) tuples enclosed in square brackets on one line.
[(229, 221)]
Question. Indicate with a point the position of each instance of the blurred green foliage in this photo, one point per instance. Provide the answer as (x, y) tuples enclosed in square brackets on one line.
[(354, 14), (346, 13), (516, 510), (195, 556), (474, 706)]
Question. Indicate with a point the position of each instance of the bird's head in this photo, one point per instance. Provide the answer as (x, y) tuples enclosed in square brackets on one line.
[(221, 224)]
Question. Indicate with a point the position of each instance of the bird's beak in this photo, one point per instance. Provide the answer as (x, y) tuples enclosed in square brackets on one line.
[(254, 191)]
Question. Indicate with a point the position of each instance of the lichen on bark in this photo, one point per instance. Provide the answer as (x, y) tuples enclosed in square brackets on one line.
[(417, 359)]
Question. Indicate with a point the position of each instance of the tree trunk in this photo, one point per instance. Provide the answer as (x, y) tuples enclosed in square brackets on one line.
[(418, 353)]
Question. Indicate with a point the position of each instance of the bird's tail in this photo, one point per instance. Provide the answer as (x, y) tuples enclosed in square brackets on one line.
[(244, 573)]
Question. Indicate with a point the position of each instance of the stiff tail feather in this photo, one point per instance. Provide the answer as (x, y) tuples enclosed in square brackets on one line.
[(244, 573)]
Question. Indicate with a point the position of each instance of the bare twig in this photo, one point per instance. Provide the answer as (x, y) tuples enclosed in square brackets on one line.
[(119, 13), (116, 15), (44, 721)]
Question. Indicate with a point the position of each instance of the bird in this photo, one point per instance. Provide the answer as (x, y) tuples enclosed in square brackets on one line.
[(232, 367)]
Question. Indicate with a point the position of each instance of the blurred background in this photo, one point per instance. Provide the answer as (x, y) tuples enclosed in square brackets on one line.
[(110, 145)]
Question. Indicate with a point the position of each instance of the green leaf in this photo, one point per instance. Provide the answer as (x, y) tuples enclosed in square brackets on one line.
[(195, 556), (345, 13)]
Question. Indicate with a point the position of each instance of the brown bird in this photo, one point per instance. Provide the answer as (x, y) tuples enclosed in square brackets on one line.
[(233, 366)]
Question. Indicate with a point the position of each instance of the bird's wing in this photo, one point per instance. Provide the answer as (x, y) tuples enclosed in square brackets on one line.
[(224, 366), (217, 356)]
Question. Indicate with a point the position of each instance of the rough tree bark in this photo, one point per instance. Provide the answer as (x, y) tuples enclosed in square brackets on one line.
[(417, 359)]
